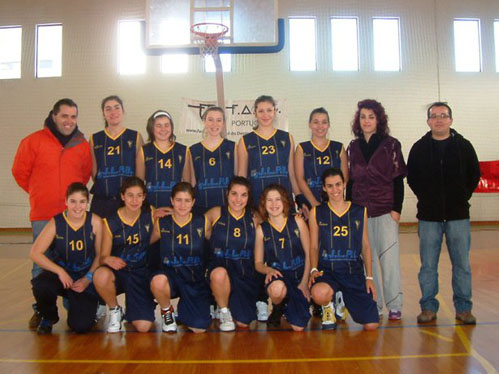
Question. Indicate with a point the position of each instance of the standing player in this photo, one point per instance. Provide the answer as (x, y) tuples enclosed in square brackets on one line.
[(266, 155), (282, 254), (161, 163), (316, 155), (213, 162), (114, 150), (312, 158), (125, 242), (338, 246), (232, 275), (183, 257), (77, 238)]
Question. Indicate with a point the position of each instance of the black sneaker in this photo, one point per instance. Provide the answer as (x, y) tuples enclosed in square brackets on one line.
[(276, 314), (316, 310), (45, 327)]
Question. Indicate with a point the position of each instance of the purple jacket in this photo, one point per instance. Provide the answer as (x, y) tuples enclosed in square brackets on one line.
[(373, 181)]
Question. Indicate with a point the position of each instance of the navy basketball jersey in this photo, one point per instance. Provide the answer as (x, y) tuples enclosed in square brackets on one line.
[(316, 160), (340, 238), (283, 249), (232, 242), (214, 168), (115, 161), (182, 247), (131, 239), (163, 171), (73, 248), (268, 161)]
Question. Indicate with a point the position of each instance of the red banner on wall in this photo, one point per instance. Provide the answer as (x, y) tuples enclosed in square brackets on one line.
[(489, 181)]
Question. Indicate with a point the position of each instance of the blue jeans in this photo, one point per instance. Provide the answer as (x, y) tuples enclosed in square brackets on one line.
[(37, 227), (458, 239)]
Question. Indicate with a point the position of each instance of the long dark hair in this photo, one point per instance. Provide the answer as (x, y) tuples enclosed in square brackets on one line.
[(331, 172), (382, 128), (241, 181)]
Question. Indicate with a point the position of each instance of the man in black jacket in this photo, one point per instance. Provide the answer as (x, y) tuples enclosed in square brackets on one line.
[(443, 172)]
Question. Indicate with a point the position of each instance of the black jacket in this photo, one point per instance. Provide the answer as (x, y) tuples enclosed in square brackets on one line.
[(443, 183)]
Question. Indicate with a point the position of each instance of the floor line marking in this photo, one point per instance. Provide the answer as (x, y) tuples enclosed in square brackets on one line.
[(242, 361), (468, 346), (437, 335)]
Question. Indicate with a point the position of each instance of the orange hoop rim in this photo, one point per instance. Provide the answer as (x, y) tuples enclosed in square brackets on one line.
[(209, 35)]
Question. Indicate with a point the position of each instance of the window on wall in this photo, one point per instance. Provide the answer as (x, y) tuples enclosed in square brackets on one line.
[(467, 45), (10, 52), (302, 44), (48, 50), (386, 35), (496, 41), (345, 45), (174, 63), (131, 56)]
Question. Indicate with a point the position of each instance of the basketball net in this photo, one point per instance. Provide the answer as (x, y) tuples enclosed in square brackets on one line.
[(207, 36)]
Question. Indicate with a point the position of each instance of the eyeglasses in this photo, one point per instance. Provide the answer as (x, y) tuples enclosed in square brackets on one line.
[(441, 116)]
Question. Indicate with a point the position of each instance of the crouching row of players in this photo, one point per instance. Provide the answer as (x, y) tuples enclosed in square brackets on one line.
[(87, 259)]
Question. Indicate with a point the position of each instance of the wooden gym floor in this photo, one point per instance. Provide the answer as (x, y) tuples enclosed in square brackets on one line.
[(397, 347)]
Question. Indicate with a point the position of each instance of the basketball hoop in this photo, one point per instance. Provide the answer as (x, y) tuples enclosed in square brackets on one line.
[(207, 36)]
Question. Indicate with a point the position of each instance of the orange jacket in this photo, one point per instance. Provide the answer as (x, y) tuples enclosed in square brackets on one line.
[(44, 169)]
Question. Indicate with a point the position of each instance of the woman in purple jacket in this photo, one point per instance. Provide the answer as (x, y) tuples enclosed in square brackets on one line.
[(377, 170)]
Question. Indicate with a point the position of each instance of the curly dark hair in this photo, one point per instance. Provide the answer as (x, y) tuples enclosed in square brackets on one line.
[(382, 128)]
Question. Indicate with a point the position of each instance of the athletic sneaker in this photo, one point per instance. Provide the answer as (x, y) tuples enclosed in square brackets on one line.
[(115, 319), (101, 312), (45, 327), (262, 311), (328, 318), (274, 319), (214, 312), (168, 323), (316, 310), (339, 307), (35, 320), (226, 322), (394, 315)]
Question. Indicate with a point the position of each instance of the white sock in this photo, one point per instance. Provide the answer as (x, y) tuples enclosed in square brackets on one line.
[(224, 309)]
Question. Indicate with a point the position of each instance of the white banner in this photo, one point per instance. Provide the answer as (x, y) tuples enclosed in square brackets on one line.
[(239, 117)]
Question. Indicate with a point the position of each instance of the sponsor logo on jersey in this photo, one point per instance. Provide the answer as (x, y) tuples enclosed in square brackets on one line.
[(221, 223), (58, 237), (179, 158), (200, 232), (297, 232), (117, 236), (266, 238), (164, 231), (98, 146), (197, 158), (250, 147), (305, 154), (130, 143), (283, 142), (228, 155), (91, 236), (148, 159), (357, 223), (147, 227), (322, 223)]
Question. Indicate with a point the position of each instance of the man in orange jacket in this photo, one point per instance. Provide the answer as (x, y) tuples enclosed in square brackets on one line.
[(46, 163)]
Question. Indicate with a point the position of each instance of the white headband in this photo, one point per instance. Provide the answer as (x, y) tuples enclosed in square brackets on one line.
[(160, 114)]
